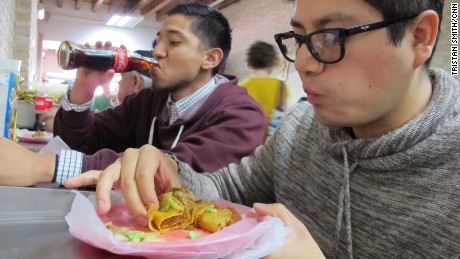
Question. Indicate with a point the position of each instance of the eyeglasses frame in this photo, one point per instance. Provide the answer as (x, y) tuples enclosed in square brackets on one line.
[(343, 33)]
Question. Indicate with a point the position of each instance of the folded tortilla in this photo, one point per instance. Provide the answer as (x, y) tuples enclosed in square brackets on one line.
[(179, 209), (172, 214), (216, 219)]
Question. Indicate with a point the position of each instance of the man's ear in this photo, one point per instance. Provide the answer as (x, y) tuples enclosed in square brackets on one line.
[(425, 30), (136, 81), (212, 58)]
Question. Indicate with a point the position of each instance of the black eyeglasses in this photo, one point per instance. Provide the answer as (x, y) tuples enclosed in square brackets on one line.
[(327, 45)]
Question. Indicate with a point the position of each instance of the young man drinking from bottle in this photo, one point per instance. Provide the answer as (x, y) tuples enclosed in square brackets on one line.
[(201, 117)]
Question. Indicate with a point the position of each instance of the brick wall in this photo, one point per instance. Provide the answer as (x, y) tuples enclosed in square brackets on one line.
[(18, 30), (7, 24), (25, 39)]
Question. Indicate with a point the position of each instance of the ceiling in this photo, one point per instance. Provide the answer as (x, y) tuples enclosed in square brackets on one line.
[(147, 8)]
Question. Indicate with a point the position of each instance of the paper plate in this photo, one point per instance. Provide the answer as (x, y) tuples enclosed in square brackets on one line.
[(28, 137), (252, 237)]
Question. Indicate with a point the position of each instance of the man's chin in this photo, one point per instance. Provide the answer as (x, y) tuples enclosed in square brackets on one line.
[(167, 89), (328, 121)]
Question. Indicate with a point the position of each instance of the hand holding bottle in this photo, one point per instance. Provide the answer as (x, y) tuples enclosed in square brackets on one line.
[(97, 65), (101, 57)]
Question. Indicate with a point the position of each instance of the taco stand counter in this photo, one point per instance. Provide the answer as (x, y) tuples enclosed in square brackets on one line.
[(32, 225)]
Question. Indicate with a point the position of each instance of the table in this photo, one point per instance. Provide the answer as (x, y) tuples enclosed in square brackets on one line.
[(32, 225), (36, 147)]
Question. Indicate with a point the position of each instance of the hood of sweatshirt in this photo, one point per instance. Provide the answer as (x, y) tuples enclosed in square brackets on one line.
[(395, 150)]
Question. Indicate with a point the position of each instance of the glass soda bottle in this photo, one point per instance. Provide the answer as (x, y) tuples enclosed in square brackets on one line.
[(72, 55)]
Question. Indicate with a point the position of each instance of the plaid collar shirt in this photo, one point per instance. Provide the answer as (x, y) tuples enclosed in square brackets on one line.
[(179, 108)]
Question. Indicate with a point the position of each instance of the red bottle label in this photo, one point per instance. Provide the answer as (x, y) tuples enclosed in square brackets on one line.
[(40, 103), (121, 59)]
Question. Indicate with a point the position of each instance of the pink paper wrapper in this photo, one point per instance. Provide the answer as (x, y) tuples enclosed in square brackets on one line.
[(252, 237)]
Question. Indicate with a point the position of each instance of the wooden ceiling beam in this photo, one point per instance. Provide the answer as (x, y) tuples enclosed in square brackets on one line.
[(78, 4), (218, 4), (208, 2), (133, 6), (146, 7), (59, 3), (154, 6), (96, 5), (224, 4), (161, 13), (115, 6)]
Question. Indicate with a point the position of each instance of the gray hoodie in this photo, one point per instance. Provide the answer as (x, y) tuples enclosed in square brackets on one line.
[(397, 196)]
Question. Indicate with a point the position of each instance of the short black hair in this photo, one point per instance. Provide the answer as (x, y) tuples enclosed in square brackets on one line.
[(261, 55), (210, 26)]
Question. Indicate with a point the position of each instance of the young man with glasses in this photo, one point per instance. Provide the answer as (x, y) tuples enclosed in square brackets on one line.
[(369, 166)]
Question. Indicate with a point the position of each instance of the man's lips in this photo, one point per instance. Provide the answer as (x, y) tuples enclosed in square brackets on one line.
[(154, 70), (312, 97)]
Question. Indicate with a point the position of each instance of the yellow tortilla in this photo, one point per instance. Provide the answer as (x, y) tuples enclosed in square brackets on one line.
[(179, 209), (164, 219)]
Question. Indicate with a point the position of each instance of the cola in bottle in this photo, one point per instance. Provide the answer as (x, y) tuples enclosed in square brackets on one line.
[(72, 55)]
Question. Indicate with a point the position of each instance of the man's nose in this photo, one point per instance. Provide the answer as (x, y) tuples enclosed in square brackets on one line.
[(306, 63)]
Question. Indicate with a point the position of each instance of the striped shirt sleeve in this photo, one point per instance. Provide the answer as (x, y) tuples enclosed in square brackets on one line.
[(69, 164), (68, 106)]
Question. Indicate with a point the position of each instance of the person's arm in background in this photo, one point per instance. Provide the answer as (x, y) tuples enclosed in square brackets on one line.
[(22, 167)]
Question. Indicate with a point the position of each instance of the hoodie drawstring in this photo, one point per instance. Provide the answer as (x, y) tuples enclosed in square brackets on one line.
[(178, 136), (152, 130), (344, 199)]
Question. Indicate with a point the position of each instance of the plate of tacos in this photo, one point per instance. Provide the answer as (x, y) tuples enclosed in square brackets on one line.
[(34, 136), (182, 227)]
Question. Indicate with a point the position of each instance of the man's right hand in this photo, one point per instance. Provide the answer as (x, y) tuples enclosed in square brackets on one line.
[(141, 174), (87, 80)]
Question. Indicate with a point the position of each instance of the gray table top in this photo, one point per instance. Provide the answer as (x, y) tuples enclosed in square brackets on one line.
[(32, 225)]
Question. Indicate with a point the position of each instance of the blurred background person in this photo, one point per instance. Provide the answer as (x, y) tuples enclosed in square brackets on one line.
[(102, 101), (268, 91), (134, 81)]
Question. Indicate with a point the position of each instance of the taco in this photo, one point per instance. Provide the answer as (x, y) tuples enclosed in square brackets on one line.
[(179, 209), (174, 212)]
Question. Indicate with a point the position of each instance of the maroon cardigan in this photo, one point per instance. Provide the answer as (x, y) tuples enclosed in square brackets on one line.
[(228, 126)]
